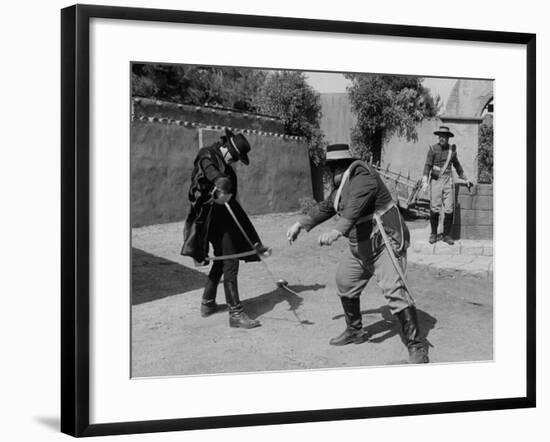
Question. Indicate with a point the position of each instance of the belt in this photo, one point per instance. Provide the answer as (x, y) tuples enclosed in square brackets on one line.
[(379, 212), (447, 170)]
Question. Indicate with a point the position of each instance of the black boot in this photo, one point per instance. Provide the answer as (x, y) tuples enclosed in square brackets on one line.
[(434, 223), (418, 353), (447, 226), (354, 327), (237, 317), (208, 303)]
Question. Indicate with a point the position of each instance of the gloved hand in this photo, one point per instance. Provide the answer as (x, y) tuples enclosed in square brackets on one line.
[(222, 191), (424, 183), (221, 197), (293, 232), (327, 238)]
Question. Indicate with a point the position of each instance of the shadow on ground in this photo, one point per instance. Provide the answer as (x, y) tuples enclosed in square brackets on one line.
[(262, 304), (389, 326), (155, 278)]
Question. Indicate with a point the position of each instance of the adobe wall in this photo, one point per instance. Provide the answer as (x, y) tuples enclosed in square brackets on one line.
[(468, 98), (337, 118), (162, 153), (204, 116)]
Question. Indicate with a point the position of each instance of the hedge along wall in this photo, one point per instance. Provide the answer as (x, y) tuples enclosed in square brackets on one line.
[(162, 154), (204, 115)]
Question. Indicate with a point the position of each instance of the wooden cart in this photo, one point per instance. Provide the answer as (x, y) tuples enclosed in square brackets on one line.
[(406, 192)]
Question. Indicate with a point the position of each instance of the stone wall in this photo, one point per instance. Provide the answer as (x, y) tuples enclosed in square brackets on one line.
[(474, 212), (163, 147)]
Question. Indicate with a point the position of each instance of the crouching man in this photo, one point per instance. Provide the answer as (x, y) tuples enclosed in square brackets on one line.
[(365, 204)]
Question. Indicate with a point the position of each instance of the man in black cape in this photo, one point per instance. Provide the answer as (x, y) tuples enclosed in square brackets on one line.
[(213, 188)]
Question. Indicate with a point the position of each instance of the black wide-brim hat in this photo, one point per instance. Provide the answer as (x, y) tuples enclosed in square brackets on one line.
[(444, 130), (238, 145), (337, 152)]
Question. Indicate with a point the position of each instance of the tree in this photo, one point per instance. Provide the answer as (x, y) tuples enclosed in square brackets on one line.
[(385, 105), (201, 85), (284, 94), (485, 153), (287, 95)]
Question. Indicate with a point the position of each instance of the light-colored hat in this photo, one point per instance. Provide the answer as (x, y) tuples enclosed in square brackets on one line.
[(444, 130), (338, 152)]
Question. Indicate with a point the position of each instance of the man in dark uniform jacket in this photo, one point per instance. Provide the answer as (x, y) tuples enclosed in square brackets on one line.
[(439, 176), (214, 184), (360, 197)]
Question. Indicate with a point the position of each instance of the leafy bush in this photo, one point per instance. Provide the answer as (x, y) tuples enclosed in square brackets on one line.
[(287, 95), (284, 94), (485, 153), (306, 205), (201, 85)]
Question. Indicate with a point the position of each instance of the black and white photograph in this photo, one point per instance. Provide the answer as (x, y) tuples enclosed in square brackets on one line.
[(275, 221), (287, 220)]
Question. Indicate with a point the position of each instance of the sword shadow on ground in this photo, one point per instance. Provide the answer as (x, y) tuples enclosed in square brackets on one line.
[(266, 302), (389, 326)]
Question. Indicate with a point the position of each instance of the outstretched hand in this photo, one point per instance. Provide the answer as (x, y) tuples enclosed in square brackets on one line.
[(424, 187), (293, 232), (327, 238)]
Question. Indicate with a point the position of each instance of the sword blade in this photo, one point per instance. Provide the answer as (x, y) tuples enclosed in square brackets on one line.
[(267, 269), (394, 260)]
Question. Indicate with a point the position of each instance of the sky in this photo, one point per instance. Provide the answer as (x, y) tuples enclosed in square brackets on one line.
[(326, 82)]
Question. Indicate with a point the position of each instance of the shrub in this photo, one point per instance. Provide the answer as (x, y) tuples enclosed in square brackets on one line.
[(306, 205), (485, 153)]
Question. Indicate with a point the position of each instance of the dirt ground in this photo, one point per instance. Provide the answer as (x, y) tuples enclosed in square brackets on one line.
[(170, 338)]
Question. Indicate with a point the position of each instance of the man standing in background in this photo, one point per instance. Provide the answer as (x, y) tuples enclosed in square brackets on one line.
[(438, 176)]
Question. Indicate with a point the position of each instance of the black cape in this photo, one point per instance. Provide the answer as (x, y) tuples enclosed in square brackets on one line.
[(208, 221)]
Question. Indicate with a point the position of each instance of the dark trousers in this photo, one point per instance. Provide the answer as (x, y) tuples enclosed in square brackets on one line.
[(229, 268), (227, 239), (223, 244)]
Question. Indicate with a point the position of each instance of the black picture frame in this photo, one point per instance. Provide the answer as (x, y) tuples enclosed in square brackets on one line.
[(75, 212)]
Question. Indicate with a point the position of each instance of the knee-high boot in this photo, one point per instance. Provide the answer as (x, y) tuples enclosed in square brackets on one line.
[(237, 317), (434, 223), (447, 226), (418, 353), (208, 302), (354, 326)]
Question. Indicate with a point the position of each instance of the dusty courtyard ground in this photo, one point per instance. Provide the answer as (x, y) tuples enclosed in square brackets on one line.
[(170, 338)]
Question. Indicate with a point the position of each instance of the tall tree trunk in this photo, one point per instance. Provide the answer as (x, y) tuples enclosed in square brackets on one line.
[(377, 146)]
